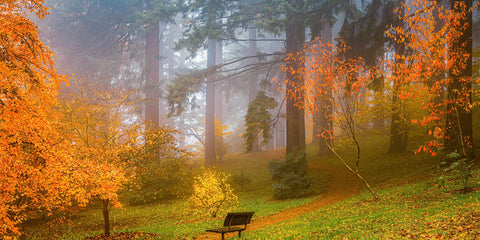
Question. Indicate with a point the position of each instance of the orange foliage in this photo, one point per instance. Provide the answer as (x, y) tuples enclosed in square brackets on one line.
[(93, 122), (430, 64), (335, 79), (429, 34), (329, 74), (42, 170), (33, 160)]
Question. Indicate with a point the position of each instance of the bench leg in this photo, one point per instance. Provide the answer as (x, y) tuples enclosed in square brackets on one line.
[(239, 234), (223, 236)]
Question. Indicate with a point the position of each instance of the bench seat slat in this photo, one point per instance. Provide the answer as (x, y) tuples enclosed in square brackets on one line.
[(231, 223), (226, 229)]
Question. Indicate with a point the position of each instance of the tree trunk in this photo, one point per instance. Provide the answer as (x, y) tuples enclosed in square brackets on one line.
[(295, 38), (210, 155), (397, 125), (321, 121), (170, 51), (355, 172), (219, 145), (378, 118), (280, 137), (106, 218), (438, 98), (152, 94), (459, 134), (252, 77), (162, 80), (170, 70), (396, 129)]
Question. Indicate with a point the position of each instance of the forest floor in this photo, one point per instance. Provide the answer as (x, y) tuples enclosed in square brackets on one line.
[(413, 204), (341, 185)]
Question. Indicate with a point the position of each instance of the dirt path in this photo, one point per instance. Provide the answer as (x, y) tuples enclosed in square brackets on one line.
[(341, 185)]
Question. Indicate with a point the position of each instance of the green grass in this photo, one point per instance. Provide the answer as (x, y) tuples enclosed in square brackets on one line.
[(384, 169), (171, 220), (420, 211), (411, 205)]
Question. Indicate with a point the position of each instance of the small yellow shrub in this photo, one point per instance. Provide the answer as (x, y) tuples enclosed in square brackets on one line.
[(211, 193)]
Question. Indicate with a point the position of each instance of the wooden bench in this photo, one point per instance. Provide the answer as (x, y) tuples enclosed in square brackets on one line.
[(233, 223)]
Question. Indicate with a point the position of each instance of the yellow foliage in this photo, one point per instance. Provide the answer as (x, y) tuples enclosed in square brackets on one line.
[(211, 193)]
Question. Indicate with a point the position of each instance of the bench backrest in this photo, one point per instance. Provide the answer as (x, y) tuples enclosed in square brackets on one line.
[(237, 218)]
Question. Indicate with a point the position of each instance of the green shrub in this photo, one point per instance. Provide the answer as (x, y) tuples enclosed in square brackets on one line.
[(162, 171), (455, 167), (169, 179), (241, 180), (290, 176)]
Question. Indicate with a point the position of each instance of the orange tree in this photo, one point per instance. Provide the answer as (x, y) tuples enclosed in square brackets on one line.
[(34, 166), (438, 61), (343, 85), (104, 136)]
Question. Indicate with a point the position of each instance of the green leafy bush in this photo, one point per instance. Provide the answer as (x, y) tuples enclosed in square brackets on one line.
[(162, 170), (241, 180), (455, 167), (290, 176)]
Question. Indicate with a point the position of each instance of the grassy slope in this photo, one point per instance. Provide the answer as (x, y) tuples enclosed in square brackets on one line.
[(419, 211), (407, 207), (412, 204)]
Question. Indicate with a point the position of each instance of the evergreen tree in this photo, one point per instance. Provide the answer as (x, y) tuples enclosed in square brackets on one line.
[(459, 134)]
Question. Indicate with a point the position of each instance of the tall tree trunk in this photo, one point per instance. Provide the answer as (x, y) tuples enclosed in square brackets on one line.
[(152, 94), (459, 135), (321, 121), (162, 81), (170, 71), (397, 144), (252, 77), (295, 38), (379, 118), (219, 145), (438, 98), (210, 156), (396, 129), (106, 218), (171, 52)]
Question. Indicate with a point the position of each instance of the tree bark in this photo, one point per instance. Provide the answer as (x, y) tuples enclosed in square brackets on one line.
[(355, 172), (170, 51), (162, 81), (219, 145), (397, 125), (295, 119), (459, 134), (210, 155), (321, 121), (151, 88), (106, 218), (252, 77)]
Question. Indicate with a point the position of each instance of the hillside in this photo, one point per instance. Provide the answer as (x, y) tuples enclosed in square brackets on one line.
[(412, 205)]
